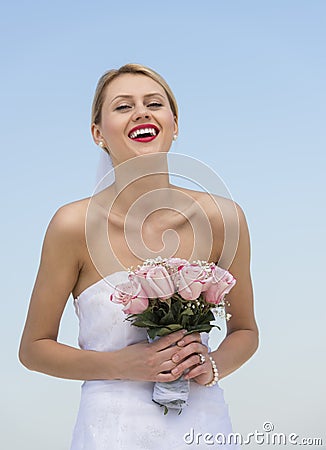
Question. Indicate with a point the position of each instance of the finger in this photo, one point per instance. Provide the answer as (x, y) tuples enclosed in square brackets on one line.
[(199, 370), (186, 364), (194, 347), (166, 341), (167, 377), (187, 339), (167, 366)]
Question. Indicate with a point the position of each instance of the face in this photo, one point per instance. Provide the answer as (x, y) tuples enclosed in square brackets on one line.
[(136, 118)]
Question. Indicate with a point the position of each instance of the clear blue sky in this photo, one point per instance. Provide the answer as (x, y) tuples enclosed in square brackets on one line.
[(249, 77)]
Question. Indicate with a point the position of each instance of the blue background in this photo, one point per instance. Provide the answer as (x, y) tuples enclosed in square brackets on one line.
[(249, 77)]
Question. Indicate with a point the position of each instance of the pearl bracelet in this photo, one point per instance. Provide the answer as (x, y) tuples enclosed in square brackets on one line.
[(215, 372)]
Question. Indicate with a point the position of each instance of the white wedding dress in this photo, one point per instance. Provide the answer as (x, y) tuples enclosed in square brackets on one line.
[(116, 414)]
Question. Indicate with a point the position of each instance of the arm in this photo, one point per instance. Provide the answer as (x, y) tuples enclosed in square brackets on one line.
[(59, 269), (241, 340), (61, 264)]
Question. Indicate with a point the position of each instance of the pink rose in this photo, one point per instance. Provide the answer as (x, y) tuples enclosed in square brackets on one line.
[(221, 284), (175, 263), (140, 276), (155, 281), (136, 305), (192, 280), (131, 295)]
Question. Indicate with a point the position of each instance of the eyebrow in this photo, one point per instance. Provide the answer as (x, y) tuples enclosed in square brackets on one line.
[(152, 94)]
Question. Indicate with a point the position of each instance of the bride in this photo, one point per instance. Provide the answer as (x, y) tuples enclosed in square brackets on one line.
[(88, 247)]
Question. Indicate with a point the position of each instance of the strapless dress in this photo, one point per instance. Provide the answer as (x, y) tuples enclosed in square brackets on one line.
[(120, 414)]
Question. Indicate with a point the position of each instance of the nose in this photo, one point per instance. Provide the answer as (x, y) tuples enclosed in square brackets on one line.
[(140, 112)]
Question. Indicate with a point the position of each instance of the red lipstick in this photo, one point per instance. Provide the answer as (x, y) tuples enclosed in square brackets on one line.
[(146, 132)]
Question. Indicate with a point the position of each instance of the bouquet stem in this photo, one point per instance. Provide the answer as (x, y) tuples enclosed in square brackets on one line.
[(172, 395)]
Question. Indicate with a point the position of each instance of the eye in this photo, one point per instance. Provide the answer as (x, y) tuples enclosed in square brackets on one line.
[(122, 107), (155, 105)]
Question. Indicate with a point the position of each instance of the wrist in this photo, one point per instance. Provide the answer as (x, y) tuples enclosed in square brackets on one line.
[(214, 380)]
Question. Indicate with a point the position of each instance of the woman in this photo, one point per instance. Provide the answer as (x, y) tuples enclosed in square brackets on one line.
[(135, 120)]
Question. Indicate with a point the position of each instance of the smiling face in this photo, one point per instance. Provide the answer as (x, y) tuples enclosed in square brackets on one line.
[(136, 118)]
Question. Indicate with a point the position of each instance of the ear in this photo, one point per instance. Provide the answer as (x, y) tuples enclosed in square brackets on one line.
[(176, 127), (96, 133)]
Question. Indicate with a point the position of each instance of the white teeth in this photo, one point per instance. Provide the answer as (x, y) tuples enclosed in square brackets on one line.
[(141, 131)]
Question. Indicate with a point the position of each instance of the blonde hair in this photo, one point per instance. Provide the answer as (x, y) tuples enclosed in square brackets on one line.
[(136, 69)]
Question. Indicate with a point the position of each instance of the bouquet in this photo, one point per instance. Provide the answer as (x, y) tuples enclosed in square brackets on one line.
[(171, 294)]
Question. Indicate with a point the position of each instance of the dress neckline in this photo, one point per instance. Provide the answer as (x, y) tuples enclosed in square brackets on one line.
[(98, 283)]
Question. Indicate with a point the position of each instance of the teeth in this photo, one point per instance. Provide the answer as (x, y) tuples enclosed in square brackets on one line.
[(141, 131)]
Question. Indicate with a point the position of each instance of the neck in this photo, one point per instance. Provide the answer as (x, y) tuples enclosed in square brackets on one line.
[(143, 183)]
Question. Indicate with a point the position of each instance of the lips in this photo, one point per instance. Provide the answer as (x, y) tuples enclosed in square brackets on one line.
[(146, 132)]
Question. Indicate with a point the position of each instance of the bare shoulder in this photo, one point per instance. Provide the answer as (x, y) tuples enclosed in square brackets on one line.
[(216, 205), (65, 235), (63, 251), (227, 224), (71, 213), (69, 219)]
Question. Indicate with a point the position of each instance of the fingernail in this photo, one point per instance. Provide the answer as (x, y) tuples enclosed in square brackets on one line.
[(175, 371), (175, 358), (180, 343)]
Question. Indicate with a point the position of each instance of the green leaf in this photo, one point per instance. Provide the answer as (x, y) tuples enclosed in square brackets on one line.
[(167, 319), (152, 333), (170, 329), (187, 312), (144, 323), (162, 317), (207, 316), (201, 328)]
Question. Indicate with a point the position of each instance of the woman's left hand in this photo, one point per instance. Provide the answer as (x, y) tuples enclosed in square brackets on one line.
[(189, 353)]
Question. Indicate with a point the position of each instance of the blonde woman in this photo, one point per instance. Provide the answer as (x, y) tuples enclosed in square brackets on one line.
[(87, 249)]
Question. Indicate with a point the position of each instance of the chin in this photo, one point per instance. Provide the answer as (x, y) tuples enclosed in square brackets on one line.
[(150, 150)]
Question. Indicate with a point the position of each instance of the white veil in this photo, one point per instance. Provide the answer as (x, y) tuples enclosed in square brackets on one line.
[(105, 172)]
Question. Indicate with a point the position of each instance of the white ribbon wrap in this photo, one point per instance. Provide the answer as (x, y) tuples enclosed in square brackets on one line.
[(172, 395)]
